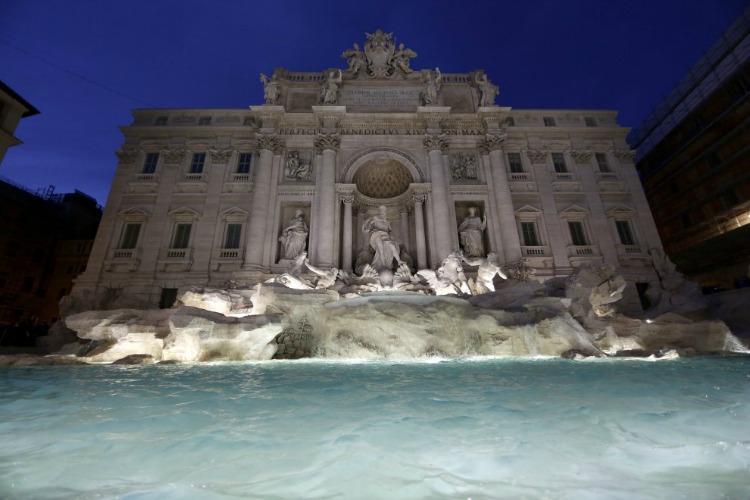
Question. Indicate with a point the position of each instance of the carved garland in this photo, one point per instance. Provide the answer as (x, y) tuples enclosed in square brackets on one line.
[(581, 156), (127, 155), (174, 155), (221, 156), (624, 154)]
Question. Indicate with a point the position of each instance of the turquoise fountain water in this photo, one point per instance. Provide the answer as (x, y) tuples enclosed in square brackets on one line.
[(315, 429)]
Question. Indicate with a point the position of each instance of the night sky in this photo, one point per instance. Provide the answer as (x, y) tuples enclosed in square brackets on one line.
[(86, 64)]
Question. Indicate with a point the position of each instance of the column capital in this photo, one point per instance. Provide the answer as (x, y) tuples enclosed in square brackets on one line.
[(624, 154), (536, 156), (220, 155), (127, 155), (581, 156), (174, 155), (419, 197), (269, 142), (435, 142), (327, 141), (492, 142)]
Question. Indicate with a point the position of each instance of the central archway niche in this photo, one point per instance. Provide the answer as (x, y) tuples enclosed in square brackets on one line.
[(383, 177)]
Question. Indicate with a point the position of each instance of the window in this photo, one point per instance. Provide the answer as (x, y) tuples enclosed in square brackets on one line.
[(530, 238), (590, 121), (181, 236), (243, 163), (150, 162), (559, 160), (160, 120), (549, 121), (196, 165), (232, 236), (514, 160), (129, 236), (168, 298), (204, 120), (510, 122), (624, 232), (577, 234), (601, 160)]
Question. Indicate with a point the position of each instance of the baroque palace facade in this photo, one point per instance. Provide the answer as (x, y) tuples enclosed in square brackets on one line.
[(209, 197)]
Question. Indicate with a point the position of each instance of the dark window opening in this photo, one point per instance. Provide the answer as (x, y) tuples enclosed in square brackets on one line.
[(168, 298)]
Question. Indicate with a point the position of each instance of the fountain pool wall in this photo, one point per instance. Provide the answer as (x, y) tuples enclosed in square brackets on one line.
[(545, 428)]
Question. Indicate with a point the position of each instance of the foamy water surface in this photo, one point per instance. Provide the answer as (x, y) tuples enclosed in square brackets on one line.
[(450, 429)]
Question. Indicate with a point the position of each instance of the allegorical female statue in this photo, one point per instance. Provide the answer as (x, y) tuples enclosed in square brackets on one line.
[(471, 230), (329, 92), (386, 249), (271, 88), (294, 237)]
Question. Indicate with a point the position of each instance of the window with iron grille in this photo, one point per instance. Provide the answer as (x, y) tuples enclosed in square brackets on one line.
[(196, 165), (559, 161), (590, 121), (625, 232), (243, 163), (516, 165), (601, 161), (204, 120), (181, 236), (160, 120), (577, 234), (129, 235), (530, 238), (150, 162), (232, 236), (549, 121)]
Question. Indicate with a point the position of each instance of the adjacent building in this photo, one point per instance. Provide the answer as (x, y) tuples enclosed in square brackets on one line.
[(694, 160), (210, 196), (13, 107), (45, 240)]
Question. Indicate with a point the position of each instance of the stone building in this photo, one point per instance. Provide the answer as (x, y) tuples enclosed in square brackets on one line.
[(212, 196), (45, 239), (693, 156), (13, 107)]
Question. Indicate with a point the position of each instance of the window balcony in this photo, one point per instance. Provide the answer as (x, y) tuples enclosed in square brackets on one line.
[(122, 260), (564, 176), (519, 176), (194, 177), (239, 177), (582, 251), (176, 253), (141, 177), (230, 253), (606, 176), (124, 253), (535, 251)]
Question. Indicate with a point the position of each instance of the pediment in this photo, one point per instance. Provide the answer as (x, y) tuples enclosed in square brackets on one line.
[(574, 210), (620, 210), (528, 209), (184, 212), (134, 212), (234, 213)]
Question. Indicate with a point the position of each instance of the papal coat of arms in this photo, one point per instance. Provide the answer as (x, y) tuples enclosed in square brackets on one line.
[(381, 58)]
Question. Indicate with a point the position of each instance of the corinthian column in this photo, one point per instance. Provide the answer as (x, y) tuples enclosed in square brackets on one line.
[(444, 227), (326, 145), (268, 145), (418, 199), (346, 261), (492, 146)]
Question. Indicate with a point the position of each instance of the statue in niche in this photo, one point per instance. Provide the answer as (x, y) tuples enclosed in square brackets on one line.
[(329, 93), (271, 89), (402, 57), (487, 90), (433, 84), (471, 230), (386, 249), (355, 58), (294, 237), (297, 168)]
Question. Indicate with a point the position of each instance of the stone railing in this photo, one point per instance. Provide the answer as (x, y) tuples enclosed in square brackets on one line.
[(535, 251), (124, 253), (176, 253), (581, 251), (194, 176), (229, 253), (519, 176), (145, 177), (239, 177)]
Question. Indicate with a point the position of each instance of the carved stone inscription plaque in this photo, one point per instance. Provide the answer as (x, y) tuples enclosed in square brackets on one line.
[(386, 98)]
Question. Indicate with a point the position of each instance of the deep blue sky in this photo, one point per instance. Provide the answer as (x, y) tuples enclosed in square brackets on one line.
[(623, 55)]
